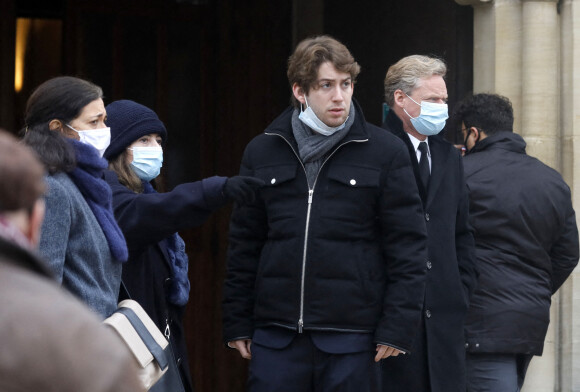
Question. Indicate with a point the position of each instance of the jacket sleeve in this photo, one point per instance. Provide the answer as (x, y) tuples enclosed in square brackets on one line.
[(56, 227), (564, 252), (149, 218), (405, 251), (464, 241), (248, 233)]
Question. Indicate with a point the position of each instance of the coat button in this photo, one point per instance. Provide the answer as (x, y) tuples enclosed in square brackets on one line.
[(476, 345), (178, 361), (427, 216), (273, 181), (428, 313), (466, 345), (429, 265), (353, 182)]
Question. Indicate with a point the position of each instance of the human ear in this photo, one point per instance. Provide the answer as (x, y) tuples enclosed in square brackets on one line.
[(399, 96), (475, 133), (298, 93), (57, 126)]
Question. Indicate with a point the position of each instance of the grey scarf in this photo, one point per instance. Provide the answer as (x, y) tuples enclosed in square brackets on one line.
[(313, 147)]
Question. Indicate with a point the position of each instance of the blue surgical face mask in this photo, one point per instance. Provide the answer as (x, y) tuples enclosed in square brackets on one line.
[(147, 162), (432, 118), (310, 118)]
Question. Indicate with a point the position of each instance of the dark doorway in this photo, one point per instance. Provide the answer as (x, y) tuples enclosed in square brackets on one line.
[(379, 33)]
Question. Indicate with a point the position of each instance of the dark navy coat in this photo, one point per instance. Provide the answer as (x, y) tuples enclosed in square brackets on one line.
[(347, 256), (439, 358), (146, 220), (526, 244)]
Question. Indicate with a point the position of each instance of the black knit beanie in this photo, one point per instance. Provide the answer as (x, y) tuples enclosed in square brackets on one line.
[(129, 121)]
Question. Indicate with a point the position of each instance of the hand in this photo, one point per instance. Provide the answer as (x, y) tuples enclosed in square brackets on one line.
[(243, 346), (385, 352), (242, 189)]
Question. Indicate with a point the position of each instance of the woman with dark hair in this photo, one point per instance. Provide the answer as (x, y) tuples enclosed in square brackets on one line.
[(80, 239), (156, 274)]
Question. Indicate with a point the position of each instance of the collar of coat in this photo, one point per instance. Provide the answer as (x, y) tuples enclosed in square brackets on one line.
[(282, 126), (504, 140), (24, 258)]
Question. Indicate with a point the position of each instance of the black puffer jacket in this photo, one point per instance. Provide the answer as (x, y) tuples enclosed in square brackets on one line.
[(347, 256), (526, 244)]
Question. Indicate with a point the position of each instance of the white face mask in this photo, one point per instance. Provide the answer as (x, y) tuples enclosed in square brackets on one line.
[(309, 118), (147, 162), (98, 138), (432, 118)]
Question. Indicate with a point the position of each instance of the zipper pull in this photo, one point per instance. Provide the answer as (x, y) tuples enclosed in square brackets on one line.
[(300, 325), (167, 331), (310, 192)]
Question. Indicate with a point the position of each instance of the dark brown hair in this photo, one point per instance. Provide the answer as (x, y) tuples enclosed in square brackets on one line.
[(21, 173), (62, 98), (310, 54), (126, 175)]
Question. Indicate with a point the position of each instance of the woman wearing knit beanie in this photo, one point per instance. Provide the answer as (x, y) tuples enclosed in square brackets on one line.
[(80, 239), (156, 273)]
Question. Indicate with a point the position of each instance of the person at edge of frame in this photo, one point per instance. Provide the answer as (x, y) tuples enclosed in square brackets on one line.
[(523, 263)]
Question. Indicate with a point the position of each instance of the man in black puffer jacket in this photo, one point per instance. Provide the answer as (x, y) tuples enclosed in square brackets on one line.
[(326, 270), (526, 244)]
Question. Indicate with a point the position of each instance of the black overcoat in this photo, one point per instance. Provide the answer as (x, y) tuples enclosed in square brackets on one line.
[(438, 358)]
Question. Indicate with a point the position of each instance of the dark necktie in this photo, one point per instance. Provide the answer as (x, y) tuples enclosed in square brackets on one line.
[(424, 171)]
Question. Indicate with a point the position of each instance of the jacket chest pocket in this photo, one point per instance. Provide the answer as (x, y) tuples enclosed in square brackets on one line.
[(356, 178), (351, 192), (280, 186), (276, 175)]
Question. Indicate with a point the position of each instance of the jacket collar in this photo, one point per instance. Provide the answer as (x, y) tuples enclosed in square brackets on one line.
[(16, 255), (503, 140), (282, 126)]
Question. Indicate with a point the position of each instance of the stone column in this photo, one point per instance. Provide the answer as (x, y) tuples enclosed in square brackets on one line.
[(570, 123), (497, 48), (541, 129), (540, 80)]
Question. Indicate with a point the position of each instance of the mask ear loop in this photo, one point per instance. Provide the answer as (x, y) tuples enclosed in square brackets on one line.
[(467, 137), (412, 99), (307, 105), (405, 110), (72, 128), (468, 150)]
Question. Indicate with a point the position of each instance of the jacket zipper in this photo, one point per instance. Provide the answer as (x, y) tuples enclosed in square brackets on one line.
[(306, 229)]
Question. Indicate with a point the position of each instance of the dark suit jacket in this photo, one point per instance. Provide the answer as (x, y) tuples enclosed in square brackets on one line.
[(439, 354)]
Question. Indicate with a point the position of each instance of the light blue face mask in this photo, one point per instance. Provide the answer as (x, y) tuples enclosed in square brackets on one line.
[(147, 162), (432, 118), (309, 118)]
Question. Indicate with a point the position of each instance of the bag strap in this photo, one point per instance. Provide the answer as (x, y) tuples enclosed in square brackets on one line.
[(146, 337)]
